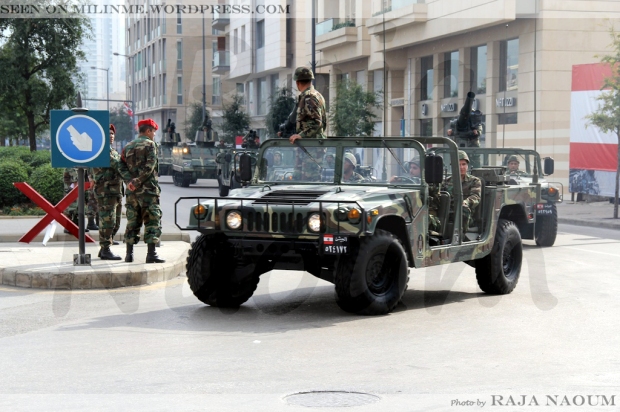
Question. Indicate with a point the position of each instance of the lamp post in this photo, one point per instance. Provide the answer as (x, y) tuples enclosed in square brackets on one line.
[(107, 81), (133, 90)]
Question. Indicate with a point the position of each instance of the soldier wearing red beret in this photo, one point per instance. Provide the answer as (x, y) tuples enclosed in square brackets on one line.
[(138, 167)]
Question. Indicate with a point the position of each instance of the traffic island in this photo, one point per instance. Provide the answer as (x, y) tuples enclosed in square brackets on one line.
[(51, 267)]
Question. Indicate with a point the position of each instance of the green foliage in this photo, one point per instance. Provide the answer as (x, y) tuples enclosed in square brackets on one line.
[(41, 157), (22, 210), (195, 120), (39, 68), (607, 117), (122, 122), (343, 24), (236, 120), (12, 171), (351, 111), (48, 182), (281, 103)]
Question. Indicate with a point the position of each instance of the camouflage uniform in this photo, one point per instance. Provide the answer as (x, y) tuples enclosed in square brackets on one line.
[(138, 165), (310, 124), (472, 188), (469, 140), (354, 178), (434, 224), (108, 189), (69, 177)]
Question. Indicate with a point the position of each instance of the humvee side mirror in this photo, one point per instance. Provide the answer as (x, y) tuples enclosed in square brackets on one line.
[(433, 169), (245, 167), (548, 165)]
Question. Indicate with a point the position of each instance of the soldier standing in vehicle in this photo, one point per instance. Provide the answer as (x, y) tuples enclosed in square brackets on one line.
[(108, 188), (472, 188), (138, 167), (470, 137)]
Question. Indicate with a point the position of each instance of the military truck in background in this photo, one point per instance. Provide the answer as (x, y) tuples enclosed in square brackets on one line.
[(363, 237)]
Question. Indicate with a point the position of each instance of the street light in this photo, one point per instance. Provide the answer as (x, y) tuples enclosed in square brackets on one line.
[(107, 75), (133, 89)]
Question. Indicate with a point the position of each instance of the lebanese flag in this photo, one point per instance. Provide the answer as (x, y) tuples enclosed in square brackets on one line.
[(128, 109), (590, 149)]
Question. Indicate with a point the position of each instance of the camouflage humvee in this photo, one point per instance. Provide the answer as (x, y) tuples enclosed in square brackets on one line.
[(524, 168), (228, 168), (363, 236), (191, 162)]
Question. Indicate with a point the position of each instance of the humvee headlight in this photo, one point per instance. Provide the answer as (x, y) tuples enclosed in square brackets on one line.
[(314, 222), (233, 220), (200, 212), (185, 150)]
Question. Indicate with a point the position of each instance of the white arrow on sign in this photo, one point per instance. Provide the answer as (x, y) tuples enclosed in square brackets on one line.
[(82, 141)]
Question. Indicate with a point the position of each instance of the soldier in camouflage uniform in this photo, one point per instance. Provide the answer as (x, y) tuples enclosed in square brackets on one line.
[(472, 188), (311, 124), (138, 167), (348, 170), (470, 139), (513, 166), (108, 188), (70, 180)]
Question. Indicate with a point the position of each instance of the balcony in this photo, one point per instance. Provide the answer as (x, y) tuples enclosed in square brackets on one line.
[(221, 62), (220, 20), (403, 13), (334, 33)]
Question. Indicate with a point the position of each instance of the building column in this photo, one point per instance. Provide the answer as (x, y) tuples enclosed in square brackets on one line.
[(491, 130)]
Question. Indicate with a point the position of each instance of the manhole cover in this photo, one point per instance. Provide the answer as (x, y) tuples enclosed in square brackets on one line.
[(326, 399)]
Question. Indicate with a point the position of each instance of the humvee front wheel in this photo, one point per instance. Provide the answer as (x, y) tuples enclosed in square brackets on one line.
[(373, 280), (210, 264), (498, 272), (547, 228)]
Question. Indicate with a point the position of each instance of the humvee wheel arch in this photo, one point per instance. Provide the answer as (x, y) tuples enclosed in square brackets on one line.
[(209, 264), (498, 272), (372, 280), (396, 226)]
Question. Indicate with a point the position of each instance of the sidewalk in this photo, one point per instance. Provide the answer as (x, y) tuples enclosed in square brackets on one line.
[(595, 214)]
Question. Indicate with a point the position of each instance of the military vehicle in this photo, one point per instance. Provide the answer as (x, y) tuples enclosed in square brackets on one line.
[(523, 167), (164, 150), (191, 162), (363, 237), (228, 168)]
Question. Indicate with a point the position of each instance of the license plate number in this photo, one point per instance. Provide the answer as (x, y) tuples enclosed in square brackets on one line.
[(335, 245)]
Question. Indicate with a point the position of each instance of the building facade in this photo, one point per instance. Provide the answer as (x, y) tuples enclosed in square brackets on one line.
[(425, 56)]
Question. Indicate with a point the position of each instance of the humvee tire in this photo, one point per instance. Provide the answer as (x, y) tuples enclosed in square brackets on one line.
[(547, 228), (498, 272), (209, 265), (373, 280)]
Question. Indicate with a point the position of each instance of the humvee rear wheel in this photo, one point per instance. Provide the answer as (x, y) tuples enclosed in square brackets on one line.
[(210, 264), (373, 280), (498, 273), (547, 228)]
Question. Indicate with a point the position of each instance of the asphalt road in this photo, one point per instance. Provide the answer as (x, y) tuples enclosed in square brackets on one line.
[(158, 348)]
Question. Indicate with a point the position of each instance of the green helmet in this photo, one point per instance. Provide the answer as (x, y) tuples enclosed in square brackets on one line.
[(513, 158), (303, 73), (463, 156), (351, 158)]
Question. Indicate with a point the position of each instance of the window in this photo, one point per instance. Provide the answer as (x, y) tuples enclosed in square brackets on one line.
[(179, 26), (508, 65), (251, 97), (275, 82), (243, 38), (262, 96), (377, 87), (446, 125), (479, 69), (179, 55), (240, 87), (426, 127), (180, 90), (343, 77), (507, 118), (217, 93), (426, 92), (235, 40), (260, 34), (451, 74), (360, 78), (163, 50)]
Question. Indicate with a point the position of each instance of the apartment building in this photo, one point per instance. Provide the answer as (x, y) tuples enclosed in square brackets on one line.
[(165, 62), (424, 56)]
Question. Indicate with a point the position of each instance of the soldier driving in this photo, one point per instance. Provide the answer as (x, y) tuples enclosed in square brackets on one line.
[(348, 169), (513, 165), (472, 188)]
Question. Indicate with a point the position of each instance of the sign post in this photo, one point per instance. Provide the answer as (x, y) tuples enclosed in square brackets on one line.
[(81, 140)]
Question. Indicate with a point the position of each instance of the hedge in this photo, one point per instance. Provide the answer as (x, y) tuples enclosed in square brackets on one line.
[(12, 171), (48, 182)]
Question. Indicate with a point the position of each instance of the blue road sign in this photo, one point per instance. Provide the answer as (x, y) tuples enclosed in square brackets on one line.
[(80, 139)]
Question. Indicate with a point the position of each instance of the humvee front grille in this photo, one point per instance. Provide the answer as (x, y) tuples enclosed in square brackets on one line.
[(274, 222)]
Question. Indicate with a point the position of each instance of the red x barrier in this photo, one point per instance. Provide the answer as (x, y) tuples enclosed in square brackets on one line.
[(53, 212)]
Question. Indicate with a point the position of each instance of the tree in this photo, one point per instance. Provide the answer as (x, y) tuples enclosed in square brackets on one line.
[(351, 111), (281, 103), (123, 125), (607, 117), (236, 121), (195, 120), (39, 66)]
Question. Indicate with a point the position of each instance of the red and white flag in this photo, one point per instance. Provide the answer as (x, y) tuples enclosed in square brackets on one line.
[(128, 110)]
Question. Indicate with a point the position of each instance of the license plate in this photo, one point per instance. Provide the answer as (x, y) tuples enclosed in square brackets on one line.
[(544, 209), (335, 245)]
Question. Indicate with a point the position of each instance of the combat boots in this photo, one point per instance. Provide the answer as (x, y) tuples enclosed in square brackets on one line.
[(129, 255), (151, 255), (106, 254), (91, 224)]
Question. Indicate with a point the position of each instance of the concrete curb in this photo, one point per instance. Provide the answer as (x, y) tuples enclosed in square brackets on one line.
[(64, 237), (613, 225), (101, 275)]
